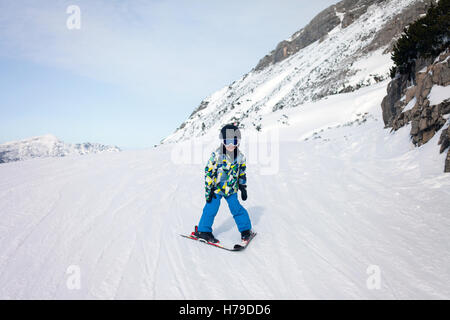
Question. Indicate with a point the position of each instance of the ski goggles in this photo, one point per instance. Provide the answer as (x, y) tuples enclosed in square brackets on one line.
[(234, 142)]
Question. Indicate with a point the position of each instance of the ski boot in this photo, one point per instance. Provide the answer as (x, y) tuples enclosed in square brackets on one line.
[(246, 235), (206, 236)]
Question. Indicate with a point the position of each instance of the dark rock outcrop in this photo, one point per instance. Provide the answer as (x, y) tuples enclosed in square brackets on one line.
[(426, 121), (447, 163), (444, 142), (425, 118), (391, 104)]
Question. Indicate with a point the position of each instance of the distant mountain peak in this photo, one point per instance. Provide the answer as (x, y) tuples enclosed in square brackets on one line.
[(48, 136), (48, 145)]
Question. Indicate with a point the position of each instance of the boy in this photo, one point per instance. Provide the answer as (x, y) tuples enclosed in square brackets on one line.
[(224, 176)]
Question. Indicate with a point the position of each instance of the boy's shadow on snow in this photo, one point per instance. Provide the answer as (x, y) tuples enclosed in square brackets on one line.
[(255, 214)]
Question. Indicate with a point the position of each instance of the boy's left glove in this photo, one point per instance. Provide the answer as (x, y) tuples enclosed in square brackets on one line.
[(211, 195), (243, 189)]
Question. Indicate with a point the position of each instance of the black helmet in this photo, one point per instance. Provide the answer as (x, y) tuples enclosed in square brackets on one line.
[(230, 131)]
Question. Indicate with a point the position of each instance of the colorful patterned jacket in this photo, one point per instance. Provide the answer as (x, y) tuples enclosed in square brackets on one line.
[(224, 174)]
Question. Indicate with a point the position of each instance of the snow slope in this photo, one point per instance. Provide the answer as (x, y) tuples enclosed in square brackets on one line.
[(346, 195)]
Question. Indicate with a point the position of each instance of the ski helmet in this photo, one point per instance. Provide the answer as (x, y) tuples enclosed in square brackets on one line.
[(230, 131)]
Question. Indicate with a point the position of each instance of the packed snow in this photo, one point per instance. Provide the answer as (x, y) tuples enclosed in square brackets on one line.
[(344, 201), (410, 104), (438, 94)]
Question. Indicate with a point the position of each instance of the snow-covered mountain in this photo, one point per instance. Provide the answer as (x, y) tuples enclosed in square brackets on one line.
[(345, 47), (48, 146)]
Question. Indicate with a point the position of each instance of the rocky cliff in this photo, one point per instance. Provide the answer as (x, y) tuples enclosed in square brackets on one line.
[(423, 102)]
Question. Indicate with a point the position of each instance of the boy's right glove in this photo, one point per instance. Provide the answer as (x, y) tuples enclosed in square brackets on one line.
[(211, 195), (243, 189)]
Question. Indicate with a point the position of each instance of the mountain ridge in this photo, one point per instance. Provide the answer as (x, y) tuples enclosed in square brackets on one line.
[(48, 146)]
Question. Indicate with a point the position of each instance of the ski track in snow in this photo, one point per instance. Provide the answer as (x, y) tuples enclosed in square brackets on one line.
[(355, 197)]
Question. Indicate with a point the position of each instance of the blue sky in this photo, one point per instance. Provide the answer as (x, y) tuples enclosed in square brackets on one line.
[(135, 70)]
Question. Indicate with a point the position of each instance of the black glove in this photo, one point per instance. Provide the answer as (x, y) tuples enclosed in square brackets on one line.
[(243, 189), (211, 195)]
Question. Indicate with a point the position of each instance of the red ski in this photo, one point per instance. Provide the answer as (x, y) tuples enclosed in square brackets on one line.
[(237, 247)]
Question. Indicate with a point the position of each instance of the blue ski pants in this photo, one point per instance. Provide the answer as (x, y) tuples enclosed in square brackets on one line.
[(210, 210)]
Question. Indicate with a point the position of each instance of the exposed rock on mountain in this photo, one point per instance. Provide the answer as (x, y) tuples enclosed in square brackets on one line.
[(48, 146), (423, 102), (444, 142), (419, 93)]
